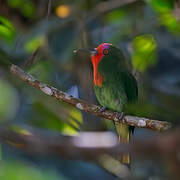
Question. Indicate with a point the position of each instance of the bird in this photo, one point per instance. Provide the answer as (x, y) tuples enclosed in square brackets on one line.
[(114, 85)]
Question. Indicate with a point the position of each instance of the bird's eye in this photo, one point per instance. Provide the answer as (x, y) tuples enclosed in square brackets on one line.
[(105, 51)]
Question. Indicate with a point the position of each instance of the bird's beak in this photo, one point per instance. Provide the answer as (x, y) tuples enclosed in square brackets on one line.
[(91, 51)]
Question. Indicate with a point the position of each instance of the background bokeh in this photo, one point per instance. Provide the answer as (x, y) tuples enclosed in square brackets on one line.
[(147, 31)]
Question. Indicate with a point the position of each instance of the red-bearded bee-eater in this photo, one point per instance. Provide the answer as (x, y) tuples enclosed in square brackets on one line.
[(114, 85)]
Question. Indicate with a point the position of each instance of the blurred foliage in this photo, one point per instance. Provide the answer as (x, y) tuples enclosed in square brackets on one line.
[(171, 22), (116, 15), (26, 7), (163, 6), (144, 54), (49, 118), (147, 32), (9, 101), (164, 9), (20, 130), (7, 30), (19, 170), (43, 70), (35, 43)]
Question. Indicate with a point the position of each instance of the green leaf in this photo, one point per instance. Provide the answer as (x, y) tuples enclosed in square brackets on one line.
[(7, 31), (144, 54), (6, 23), (34, 43), (170, 22), (76, 117), (144, 43), (162, 6)]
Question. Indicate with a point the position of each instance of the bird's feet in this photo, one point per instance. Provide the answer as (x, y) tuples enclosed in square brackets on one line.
[(121, 116), (102, 109)]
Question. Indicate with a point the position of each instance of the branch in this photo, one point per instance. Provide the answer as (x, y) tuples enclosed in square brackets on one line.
[(93, 146), (84, 106), (89, 145), (107, 6)]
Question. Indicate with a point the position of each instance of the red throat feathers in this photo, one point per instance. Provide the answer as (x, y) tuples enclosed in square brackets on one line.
[(95, 59)]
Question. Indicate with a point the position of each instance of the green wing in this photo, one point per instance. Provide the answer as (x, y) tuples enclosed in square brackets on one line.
[(131, 87)]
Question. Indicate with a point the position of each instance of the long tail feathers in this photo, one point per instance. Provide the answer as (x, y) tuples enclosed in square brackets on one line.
[(123, 132)]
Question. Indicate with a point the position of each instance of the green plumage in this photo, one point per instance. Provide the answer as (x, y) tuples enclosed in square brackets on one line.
[(119, 87)]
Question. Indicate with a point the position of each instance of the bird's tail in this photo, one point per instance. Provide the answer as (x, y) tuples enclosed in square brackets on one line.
[(123, 132)]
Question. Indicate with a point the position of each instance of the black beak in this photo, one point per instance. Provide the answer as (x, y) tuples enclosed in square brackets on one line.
[(91, 51)]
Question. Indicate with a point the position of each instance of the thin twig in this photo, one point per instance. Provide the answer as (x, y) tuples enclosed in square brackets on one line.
[(31, 59), (48, 9), (84, 106)]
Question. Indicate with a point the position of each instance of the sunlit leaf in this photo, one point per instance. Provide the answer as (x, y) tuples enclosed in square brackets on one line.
[(168, 20), (6, 23), (69, 130), (76, 117), (33, 44), (144, 43), (7, 31), (144, 54)]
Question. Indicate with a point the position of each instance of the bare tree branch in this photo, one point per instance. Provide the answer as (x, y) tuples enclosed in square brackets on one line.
[(84, 106)]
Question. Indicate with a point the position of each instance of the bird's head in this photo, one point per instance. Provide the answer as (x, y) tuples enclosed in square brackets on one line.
[(105, 59), (101, 51)]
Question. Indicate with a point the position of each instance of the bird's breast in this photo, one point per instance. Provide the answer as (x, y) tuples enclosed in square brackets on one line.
[(97, 76)]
